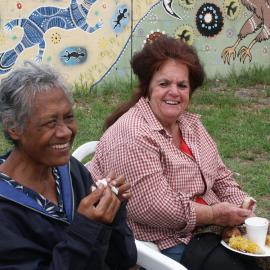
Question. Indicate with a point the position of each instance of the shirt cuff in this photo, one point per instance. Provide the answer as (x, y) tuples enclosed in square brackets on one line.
[(89, 230)]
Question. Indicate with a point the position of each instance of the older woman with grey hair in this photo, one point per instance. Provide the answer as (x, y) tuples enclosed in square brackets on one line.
[(49, 217)]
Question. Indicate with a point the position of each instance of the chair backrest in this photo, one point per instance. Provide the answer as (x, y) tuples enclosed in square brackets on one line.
[(148, 258), (85, 150)]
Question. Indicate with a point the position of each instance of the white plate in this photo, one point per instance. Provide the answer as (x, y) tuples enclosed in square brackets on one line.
[(266, 250)]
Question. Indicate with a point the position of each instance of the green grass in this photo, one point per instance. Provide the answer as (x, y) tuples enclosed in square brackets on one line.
[(91, 109), (236, 112), (241, 129), (249, 76)]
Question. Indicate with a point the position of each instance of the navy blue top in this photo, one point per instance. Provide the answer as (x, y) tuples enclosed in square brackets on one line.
[(32, 238)]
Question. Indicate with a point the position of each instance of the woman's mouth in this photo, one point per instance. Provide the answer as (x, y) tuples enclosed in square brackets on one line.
[(61, 147), (171, 102)]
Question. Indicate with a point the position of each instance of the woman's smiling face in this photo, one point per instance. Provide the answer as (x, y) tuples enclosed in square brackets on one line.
[(50, 131), (169, 92)]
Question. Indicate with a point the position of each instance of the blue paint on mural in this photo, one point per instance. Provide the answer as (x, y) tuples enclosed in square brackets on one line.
[(41, 20), (107, 72), (73, 56), (120, 18)]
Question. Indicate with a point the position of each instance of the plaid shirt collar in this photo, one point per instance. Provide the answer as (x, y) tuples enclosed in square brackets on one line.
[(148, 115), (185, 120)]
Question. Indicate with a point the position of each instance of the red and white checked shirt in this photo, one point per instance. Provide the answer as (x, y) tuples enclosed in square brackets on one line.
[(164, 180)]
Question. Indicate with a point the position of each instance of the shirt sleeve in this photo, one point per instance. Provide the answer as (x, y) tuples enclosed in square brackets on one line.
[(154, 202), (122, 252), (225, 186)]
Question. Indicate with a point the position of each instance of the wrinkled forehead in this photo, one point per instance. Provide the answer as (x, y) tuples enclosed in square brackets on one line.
[(56, 99)]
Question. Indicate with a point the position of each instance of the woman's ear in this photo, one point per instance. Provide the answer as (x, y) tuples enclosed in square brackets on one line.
[(14, 133), (11, 129)]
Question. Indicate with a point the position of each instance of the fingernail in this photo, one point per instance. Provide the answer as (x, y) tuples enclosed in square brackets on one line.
[(93, 188)]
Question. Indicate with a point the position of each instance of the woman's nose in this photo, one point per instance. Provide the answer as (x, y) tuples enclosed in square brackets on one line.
[(63, 130), (174, 89)]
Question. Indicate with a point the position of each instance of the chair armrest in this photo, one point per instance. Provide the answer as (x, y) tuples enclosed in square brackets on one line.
[(154, 260)]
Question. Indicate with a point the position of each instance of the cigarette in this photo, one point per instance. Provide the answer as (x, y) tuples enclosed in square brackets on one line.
[(104, 182), (114, 189)]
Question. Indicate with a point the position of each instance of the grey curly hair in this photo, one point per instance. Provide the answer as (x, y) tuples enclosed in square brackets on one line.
[(18, 90)]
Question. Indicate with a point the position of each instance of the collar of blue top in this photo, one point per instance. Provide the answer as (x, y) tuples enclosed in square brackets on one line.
[(10, 193)]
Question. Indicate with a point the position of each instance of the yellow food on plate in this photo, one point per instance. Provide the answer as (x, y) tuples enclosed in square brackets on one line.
[(242, 244)]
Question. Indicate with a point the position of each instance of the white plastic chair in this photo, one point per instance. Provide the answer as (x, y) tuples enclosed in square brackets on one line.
[(85, 150), (148, 258)]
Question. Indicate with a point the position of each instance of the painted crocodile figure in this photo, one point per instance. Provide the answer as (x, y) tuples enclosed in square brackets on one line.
[(40, 21)]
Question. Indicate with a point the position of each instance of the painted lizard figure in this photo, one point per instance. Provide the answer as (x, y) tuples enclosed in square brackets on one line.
[(40, 21)]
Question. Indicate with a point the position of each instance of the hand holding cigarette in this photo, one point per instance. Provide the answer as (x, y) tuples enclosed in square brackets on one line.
[(117, 185), (105, 182)]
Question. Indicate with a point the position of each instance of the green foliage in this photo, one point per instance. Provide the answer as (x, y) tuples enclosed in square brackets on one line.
[(249, 77), (4, 144)]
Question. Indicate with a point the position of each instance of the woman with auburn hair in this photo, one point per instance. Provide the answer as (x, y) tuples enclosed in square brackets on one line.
[(183, 195)]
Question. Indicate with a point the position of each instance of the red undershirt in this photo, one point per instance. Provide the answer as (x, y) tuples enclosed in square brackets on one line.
[(185, 149)]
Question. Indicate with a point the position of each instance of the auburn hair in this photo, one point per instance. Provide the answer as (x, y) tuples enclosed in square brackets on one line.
[(147, 61)]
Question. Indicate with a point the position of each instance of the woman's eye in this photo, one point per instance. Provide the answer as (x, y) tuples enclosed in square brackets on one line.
[(50, 124), (182, 86), (69, 118), (163, 84)]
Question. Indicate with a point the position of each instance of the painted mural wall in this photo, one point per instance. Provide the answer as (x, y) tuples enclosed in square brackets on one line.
[(90, 41)]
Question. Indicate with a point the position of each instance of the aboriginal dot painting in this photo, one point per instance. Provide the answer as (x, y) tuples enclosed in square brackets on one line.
[(91, 41)]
